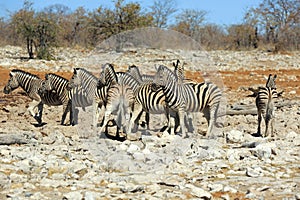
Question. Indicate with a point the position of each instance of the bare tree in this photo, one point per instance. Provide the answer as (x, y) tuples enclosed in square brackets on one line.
[(24, 22), (277, 18), (161, 11), (189, 22)]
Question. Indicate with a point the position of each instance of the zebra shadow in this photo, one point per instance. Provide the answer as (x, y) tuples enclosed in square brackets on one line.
[(256, 134), (39, 124), (112, 131)]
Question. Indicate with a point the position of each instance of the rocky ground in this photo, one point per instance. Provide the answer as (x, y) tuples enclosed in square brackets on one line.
[(63, 162)]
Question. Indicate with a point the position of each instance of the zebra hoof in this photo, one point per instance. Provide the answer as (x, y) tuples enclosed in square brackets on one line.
[(38, 119)]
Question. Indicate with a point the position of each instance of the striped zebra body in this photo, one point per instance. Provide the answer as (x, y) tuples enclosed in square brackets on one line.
[(189, 97), (265, 103), (31, 84), (117, 97), (109, 77), (120, 99), (146, 80), (59, 85)]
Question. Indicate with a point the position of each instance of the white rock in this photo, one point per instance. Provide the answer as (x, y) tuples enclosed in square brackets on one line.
[(73, 195), (254, 172), (89, 195), (198, 192), (235, 136), (133, 148), (215, 187), (229, 189), (264, 151)]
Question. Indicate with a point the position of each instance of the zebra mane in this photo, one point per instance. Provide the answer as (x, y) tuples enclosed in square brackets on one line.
[(85, 71), (55, 75), (135, 73), (24, 72)]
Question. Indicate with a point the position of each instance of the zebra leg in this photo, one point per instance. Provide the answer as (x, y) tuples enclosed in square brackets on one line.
[(259, 122), (66, 108), (272, 122), (212, 119), (106, 117), (267, 121), (40, 113), (136, 114), (147, 118), (72, 110), (189, 117), (32, 106), (207, 114), (96, 113), (181, 121)]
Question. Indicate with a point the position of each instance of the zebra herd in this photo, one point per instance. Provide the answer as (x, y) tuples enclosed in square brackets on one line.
[(126, 95)]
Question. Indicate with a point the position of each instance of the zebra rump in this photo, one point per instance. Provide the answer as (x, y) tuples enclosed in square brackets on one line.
[(265, 103)]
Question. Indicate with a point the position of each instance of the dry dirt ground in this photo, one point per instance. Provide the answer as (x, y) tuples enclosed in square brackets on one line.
[(234, 82)]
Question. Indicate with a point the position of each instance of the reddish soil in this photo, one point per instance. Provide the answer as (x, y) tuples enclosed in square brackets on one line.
[(288, 80)]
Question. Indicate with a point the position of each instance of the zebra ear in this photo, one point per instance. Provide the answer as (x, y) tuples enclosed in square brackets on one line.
[(274, 77)]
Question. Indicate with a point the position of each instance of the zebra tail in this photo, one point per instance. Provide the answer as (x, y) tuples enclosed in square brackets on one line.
[(120, 113), (270, 106)]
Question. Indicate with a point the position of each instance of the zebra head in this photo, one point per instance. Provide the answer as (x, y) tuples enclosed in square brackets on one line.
[(164, 76), (271, 81), (179, 70), (75, 80), (135, 72), (108, 75), (12, 83), (46, 85)]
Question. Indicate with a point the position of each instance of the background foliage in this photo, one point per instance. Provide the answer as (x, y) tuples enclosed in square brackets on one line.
[(274, 26)]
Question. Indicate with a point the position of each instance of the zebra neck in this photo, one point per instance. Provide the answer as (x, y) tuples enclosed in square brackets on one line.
[(171, 89), (89, 83), (61, 86)]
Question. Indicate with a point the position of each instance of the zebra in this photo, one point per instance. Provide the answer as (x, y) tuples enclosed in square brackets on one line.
[(151, 100), (142, 79), (83, 87), (179, 72), (265, 101), (91, 85), (189, 97), (118, 97), (31, 83), (59, 85)]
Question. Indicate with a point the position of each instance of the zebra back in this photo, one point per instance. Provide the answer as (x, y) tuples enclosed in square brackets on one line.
[(126, 79), (141, 78), (59, 84)]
